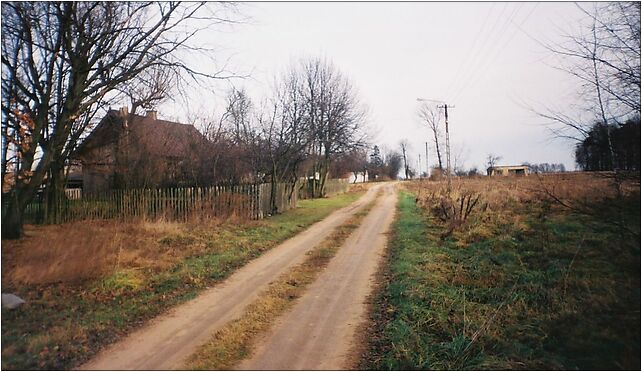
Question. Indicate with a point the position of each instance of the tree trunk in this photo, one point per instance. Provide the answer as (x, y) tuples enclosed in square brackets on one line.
[(55, 192), (273, 207), (5, 152), (322, 179), (21, 195), (405, 162), (438, 152), (323, 176), (314, 181), (295, 183), (12, 219)]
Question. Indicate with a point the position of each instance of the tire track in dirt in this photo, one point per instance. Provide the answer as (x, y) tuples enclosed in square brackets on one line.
[(319, 332), (168, 340)]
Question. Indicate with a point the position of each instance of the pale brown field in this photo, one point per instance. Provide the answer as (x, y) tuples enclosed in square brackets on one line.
[(91, 249), (594, 194)]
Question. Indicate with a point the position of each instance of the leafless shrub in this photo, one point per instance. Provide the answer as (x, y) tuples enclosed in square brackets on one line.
[(454, 208), (436, 174)]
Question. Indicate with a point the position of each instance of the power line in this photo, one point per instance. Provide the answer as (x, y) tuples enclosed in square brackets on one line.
[(497, 51), (486, 57), (463, 62), (476, 54), (493, 56), (445, 107)]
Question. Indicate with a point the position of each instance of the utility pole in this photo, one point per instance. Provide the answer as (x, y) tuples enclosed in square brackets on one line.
[(445, 107), (427, 166)]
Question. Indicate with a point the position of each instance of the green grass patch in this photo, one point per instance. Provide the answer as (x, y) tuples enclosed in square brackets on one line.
[(561, 292), (64, 324)]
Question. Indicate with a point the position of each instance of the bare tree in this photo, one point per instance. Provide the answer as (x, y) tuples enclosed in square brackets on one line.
[(62, 62), (239, 114), (430, 116), (393, 164), (604, 56), (275, 135), (355, 161), (295, 125), (460, 156), (240, 118), (150, 88), (404, 152), (335, 113), (212, 127), (284, 142), (492, 159), (314, 117)]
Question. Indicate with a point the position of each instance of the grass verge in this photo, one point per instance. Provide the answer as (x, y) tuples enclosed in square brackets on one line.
[(545, 292), (65, 323), (234, 342)]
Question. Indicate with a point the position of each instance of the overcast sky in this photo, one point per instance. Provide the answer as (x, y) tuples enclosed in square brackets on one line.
[(483, 58)]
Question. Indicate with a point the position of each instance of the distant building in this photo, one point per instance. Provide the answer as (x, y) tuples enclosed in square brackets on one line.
[(356, 177), (507, 170), (127, 150)]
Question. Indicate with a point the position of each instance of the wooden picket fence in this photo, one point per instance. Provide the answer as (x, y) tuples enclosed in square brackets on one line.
[(332, 187), (336, 186), (173, 204)]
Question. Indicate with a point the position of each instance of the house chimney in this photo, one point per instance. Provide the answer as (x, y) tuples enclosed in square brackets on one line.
[(124, 114), (151, 114)]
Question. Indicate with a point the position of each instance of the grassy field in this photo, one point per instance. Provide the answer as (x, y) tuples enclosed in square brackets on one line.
[(522, 283), (88, 284)]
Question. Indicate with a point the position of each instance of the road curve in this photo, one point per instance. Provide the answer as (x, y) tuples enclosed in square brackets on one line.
[(319, 332), (168, 340)]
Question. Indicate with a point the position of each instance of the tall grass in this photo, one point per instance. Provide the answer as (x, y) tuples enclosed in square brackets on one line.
[(524, 285), (142, 272)]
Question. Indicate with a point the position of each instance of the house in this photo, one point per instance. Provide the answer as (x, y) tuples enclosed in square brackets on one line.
[(507, 170), (74, 176), (127, 150)]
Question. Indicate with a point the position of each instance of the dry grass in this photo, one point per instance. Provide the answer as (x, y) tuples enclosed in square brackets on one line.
[(360, 187), (90, 283), (91, 249), (592, 194), (500, 191), (527, 283), (234, 342)]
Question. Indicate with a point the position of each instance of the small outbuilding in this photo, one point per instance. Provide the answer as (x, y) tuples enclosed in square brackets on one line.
[(507, 170)]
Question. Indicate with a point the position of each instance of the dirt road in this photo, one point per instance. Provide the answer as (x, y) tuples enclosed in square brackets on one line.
[(167, 341), (319, 332)]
